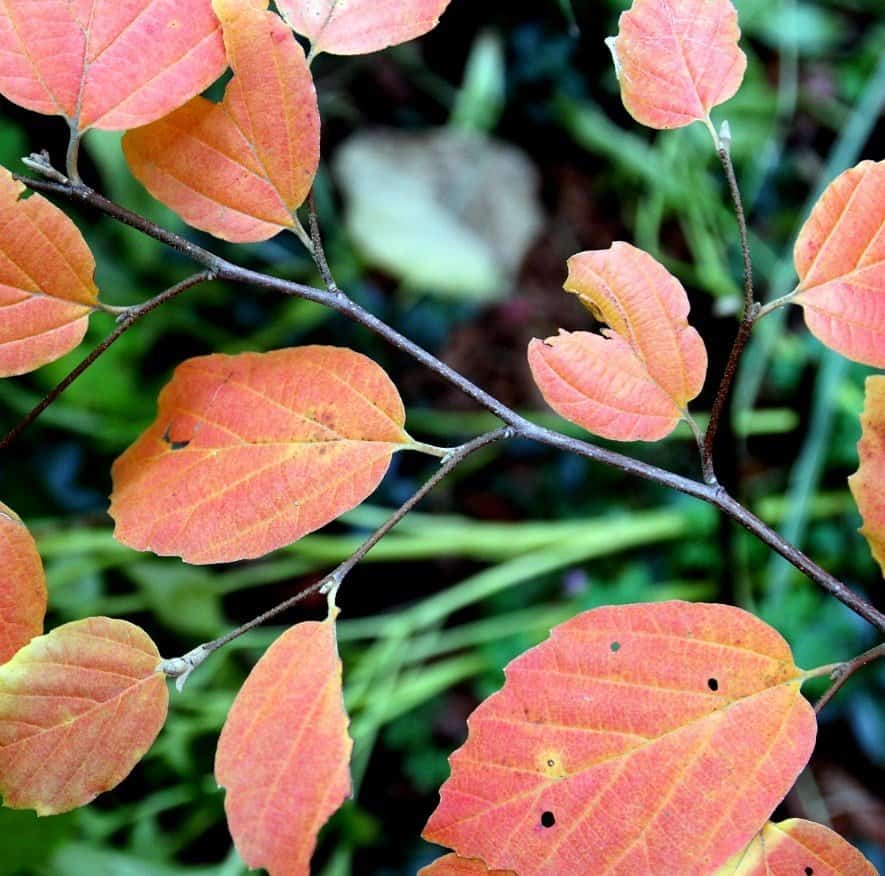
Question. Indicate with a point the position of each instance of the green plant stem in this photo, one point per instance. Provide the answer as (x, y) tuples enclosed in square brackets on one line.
[(181, 667), (341, 303), (843, 671), (125, 320)]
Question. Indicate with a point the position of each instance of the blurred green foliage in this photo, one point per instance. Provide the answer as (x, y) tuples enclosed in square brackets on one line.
[(520, 538)]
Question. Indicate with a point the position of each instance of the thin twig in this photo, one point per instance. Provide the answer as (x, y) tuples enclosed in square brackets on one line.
[(844, 671), (750, 310), (180, 668), (319, 252), (713, 494), (125, 321)]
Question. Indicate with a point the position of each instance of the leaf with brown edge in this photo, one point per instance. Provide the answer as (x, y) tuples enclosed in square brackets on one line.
[(79, 707), (868, 482), (22, 585), (453, 865), (798, 848), (677, 59), (360, 26), (637, 739), (250, 452), (284, 752), (634, 380), (239, 169), (47, 289), (840, 259), (102, 64)]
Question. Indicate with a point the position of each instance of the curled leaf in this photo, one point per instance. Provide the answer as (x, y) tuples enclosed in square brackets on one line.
[(284, 752), (79, 707), (110, 65), (238, 169), (634, 380), (868, 482), (637, 739), (677, 59), (250, 452), (840, 259), (22, 585), (46, 287), (798, 848), (358, 27)]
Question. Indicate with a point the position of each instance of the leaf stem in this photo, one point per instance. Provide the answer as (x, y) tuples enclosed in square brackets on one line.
[(841, 672), (778, 302), (126, 319), (750, 310), (180, 668), (72, 157), (715, 495), (318, 251)]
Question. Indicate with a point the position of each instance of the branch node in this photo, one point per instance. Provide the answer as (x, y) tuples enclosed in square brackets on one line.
[(180, 668)]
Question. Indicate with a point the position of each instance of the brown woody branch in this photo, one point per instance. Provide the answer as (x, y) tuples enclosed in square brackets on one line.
[(709, 492), (844, 671)]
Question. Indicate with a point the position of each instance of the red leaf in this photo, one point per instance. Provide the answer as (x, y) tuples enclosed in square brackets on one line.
[(635, 380), (840, 259), (250, 452), (46, 286), (868, 482), (22, 585), (111, 65), (360, 26), (452, 865), (79, 707), (284, 751), (798, 848), (239, 169), (637, 739), (677, 59)]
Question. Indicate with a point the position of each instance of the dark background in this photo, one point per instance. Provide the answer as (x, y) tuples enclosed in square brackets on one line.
[(528, 536)]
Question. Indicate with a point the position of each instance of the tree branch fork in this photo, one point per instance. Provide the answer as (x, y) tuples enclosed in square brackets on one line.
[(52, 182)]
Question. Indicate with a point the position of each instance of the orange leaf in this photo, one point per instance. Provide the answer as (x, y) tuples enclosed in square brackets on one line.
[(677, 59), (634, 380), (46, 286), (284, 751), (840, 259), (79, 707), (250, 452), (360, 26), (22, 585), (452, 865), (637, 739), (867, 482), (240, 168), (105, 64), (798, 848)]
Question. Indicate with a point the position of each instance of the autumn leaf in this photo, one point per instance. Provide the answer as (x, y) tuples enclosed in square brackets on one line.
[(798, 848), (284, 752), (677, 59), (634, 380), (104, 64), (238, 169), (637, 739), (452, 865), (22, 585), (46, 287), (840, 259), (250, 452), (79, 707), (360, 26), (867, 482)]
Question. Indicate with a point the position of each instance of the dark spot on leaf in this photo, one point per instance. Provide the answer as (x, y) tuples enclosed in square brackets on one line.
[(713, 684), (548, 819), (615, 646), (551, 762), (173, 445), (809, 871)]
